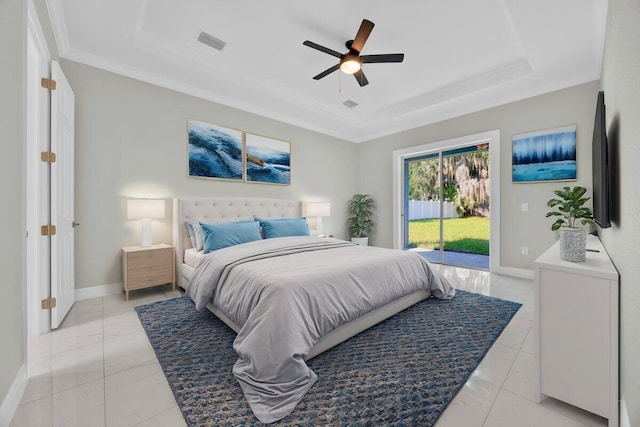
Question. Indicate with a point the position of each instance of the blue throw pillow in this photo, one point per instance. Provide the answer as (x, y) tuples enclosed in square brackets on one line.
[(284, 227), (222, 235)]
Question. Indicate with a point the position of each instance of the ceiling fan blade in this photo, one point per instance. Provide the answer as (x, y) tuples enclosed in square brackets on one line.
[(361, 78), (362, 36), (389, 57), (327, 72), (322, 49)]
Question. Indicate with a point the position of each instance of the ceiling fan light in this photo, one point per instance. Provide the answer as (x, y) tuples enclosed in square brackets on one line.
[(350, 64)]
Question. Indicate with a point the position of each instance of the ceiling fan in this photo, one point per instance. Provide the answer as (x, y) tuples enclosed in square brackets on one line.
[(351, 62)]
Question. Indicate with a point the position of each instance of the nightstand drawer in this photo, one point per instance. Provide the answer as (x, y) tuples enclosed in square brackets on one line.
[(150, 276), (146, 259)]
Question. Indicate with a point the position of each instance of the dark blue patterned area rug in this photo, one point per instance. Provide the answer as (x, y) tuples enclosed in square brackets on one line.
[(403, 371)]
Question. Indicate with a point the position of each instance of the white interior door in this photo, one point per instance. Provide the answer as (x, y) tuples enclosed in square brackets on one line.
[(38, 260), (62, 196)]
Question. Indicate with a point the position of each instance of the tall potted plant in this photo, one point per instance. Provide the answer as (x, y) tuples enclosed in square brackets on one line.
[(570, 209), (360, 222)]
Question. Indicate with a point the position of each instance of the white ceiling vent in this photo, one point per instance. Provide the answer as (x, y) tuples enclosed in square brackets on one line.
[(349, 103), (209, 40)]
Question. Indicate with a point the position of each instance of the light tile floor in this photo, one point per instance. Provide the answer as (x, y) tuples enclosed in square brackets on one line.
[(99, 369)]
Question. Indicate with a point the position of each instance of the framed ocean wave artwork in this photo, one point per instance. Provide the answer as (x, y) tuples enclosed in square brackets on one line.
[(268, 160), (548, 155), (215, 151)]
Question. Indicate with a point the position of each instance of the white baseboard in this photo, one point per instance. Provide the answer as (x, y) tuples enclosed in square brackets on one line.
[(522, 273), (14, 395), (624, 414), (98, 291)]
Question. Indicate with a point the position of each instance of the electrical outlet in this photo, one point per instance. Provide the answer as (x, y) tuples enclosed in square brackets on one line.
[(525, 250)]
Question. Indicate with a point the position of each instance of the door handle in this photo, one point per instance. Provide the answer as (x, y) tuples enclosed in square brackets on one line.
[(75, 224)]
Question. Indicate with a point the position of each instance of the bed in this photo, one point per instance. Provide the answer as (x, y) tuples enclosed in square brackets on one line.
[(274, 376)]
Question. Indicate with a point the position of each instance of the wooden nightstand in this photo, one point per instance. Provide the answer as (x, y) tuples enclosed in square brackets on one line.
[(143, 267)]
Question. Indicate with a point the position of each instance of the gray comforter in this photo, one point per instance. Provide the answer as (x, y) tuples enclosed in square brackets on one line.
[(286, 293)]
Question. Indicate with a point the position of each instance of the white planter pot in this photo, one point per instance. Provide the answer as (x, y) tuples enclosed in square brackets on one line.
[(573, 244), (362, 241)]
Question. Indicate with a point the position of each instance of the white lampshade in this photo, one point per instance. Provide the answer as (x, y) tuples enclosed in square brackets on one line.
[(145, 208), (318, 209)]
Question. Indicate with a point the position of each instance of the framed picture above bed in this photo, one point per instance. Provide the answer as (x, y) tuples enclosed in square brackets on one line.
[(548, 155), (215, 151), (268, 160)]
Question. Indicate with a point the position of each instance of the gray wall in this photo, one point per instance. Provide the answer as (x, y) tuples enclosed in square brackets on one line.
[(131, 141), (575, 105), (621, 84), (12, 182)]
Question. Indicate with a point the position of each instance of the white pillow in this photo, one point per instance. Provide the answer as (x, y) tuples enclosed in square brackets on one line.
[(195, 235)]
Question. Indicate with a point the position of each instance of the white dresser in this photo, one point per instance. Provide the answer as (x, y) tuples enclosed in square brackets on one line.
[(577, 327)]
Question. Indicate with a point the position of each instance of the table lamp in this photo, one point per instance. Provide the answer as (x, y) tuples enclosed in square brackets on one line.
[(318, 210), (145, 210)]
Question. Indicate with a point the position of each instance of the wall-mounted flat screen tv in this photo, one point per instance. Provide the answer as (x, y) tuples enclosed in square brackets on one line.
[(601, 171)]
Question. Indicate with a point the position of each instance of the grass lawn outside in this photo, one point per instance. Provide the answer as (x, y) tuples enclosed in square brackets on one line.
[(470, 234)]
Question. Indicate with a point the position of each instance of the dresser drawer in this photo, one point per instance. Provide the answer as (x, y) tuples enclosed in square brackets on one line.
[(146, 259)]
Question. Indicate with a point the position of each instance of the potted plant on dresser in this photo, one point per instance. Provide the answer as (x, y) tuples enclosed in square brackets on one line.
[(360, 222), (570, 210)]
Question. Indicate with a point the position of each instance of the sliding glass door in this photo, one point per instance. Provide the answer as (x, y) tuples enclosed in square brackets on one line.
[(446, 205)]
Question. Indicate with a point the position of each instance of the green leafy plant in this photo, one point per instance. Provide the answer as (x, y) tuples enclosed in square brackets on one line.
[(360, 211), (570, 208)]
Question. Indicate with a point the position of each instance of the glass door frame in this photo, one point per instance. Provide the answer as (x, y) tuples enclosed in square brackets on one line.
[(405, 202), (438, 155), (399, 156)]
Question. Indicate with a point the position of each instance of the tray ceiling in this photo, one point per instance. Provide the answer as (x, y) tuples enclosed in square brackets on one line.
[(461, 56)]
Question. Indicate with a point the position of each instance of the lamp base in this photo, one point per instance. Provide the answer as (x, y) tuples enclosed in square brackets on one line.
[(315, 225), (319, 225), (146, 238)]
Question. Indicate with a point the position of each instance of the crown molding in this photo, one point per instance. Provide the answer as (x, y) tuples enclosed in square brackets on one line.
[(329, 128), (468, 101), (58, 25)]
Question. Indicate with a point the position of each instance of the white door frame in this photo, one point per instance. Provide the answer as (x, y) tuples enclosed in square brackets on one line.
[(37, 137), (399, 157)]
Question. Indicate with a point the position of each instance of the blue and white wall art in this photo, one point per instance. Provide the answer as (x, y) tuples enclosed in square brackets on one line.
[(268, 160), (548, 155), (214, 151)]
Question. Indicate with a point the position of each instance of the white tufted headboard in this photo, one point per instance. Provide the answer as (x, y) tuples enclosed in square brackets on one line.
[(223, 209)]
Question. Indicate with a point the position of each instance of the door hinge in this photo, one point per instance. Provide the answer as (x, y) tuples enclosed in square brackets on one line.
[(48, 156), (48, 230), (48, 303), (48, 83)]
